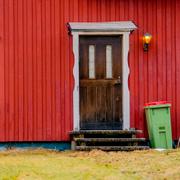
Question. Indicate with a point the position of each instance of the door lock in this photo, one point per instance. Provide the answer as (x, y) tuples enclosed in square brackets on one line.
[(118, 81)]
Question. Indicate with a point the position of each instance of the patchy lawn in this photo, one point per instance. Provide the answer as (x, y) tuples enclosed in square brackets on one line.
[(43, 164)]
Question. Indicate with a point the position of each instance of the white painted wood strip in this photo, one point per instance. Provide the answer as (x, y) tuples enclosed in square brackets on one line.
[(126, 94), (76, 110)]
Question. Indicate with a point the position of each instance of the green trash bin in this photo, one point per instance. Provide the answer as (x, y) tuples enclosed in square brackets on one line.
[(159, 124)]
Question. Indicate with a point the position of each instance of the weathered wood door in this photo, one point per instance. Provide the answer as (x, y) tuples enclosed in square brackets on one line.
[(100, 82)]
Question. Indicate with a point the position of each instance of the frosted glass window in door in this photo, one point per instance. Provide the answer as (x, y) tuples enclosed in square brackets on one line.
[(91, 62), (108, 61)]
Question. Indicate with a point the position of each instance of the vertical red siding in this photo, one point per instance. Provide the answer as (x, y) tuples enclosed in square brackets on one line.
[(2, 94), (36, 62), (176, 51)]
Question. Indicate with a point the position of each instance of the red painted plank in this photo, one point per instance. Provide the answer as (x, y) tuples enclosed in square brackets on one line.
[(159, 50), (164, 65), (173, 71), (67, 69), (169, 50), (145, 57), (44, 102), (112, 10), (149, 54), (16, 80), (20, 72), (131, 66), (48, 70), (62, 69), (6, 71), (177, 44), (121, 10), (2, 65), (29, 73), (57, 72), (25, 82), (39, 70), (154, 49), (136, 69), (53, 69), (103, 11), (11, 120), (141, 70)]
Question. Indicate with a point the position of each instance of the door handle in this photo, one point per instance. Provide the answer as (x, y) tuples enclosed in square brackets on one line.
[(118, 81)]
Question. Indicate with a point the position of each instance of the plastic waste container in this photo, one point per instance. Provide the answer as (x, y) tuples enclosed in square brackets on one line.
[(159, 124)]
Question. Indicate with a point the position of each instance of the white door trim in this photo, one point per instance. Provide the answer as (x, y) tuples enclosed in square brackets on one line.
[(125, 32)]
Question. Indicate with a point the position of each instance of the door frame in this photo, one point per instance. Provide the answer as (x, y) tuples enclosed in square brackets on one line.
[(106, 28)]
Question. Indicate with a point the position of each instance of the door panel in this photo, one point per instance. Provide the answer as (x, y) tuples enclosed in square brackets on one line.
[(100, 84)]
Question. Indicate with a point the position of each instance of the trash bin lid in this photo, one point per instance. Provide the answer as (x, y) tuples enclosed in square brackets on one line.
[(156, 103)]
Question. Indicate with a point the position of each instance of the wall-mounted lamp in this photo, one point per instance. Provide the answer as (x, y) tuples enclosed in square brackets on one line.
[(146, 41)]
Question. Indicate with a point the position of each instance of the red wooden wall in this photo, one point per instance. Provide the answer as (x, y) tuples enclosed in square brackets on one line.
[(36, 62)]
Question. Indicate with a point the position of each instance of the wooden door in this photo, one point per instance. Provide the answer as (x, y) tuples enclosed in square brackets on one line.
[(100, 82)]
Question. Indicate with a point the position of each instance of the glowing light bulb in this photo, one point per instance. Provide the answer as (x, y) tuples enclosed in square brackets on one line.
[(146, 41)]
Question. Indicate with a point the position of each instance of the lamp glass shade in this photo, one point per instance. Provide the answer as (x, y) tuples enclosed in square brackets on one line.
[(147, 38)]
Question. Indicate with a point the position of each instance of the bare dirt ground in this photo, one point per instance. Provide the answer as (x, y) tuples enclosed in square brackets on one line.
[(44, 164)]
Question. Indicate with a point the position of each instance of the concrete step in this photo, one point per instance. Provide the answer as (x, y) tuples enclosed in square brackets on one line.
[(107, 132), (112, 148), (109, 139)]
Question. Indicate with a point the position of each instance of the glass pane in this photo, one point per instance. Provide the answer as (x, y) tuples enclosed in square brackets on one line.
[(108, 61), (91, 62)]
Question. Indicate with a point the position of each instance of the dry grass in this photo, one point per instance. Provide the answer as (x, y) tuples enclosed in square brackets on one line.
[(43, 164)]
